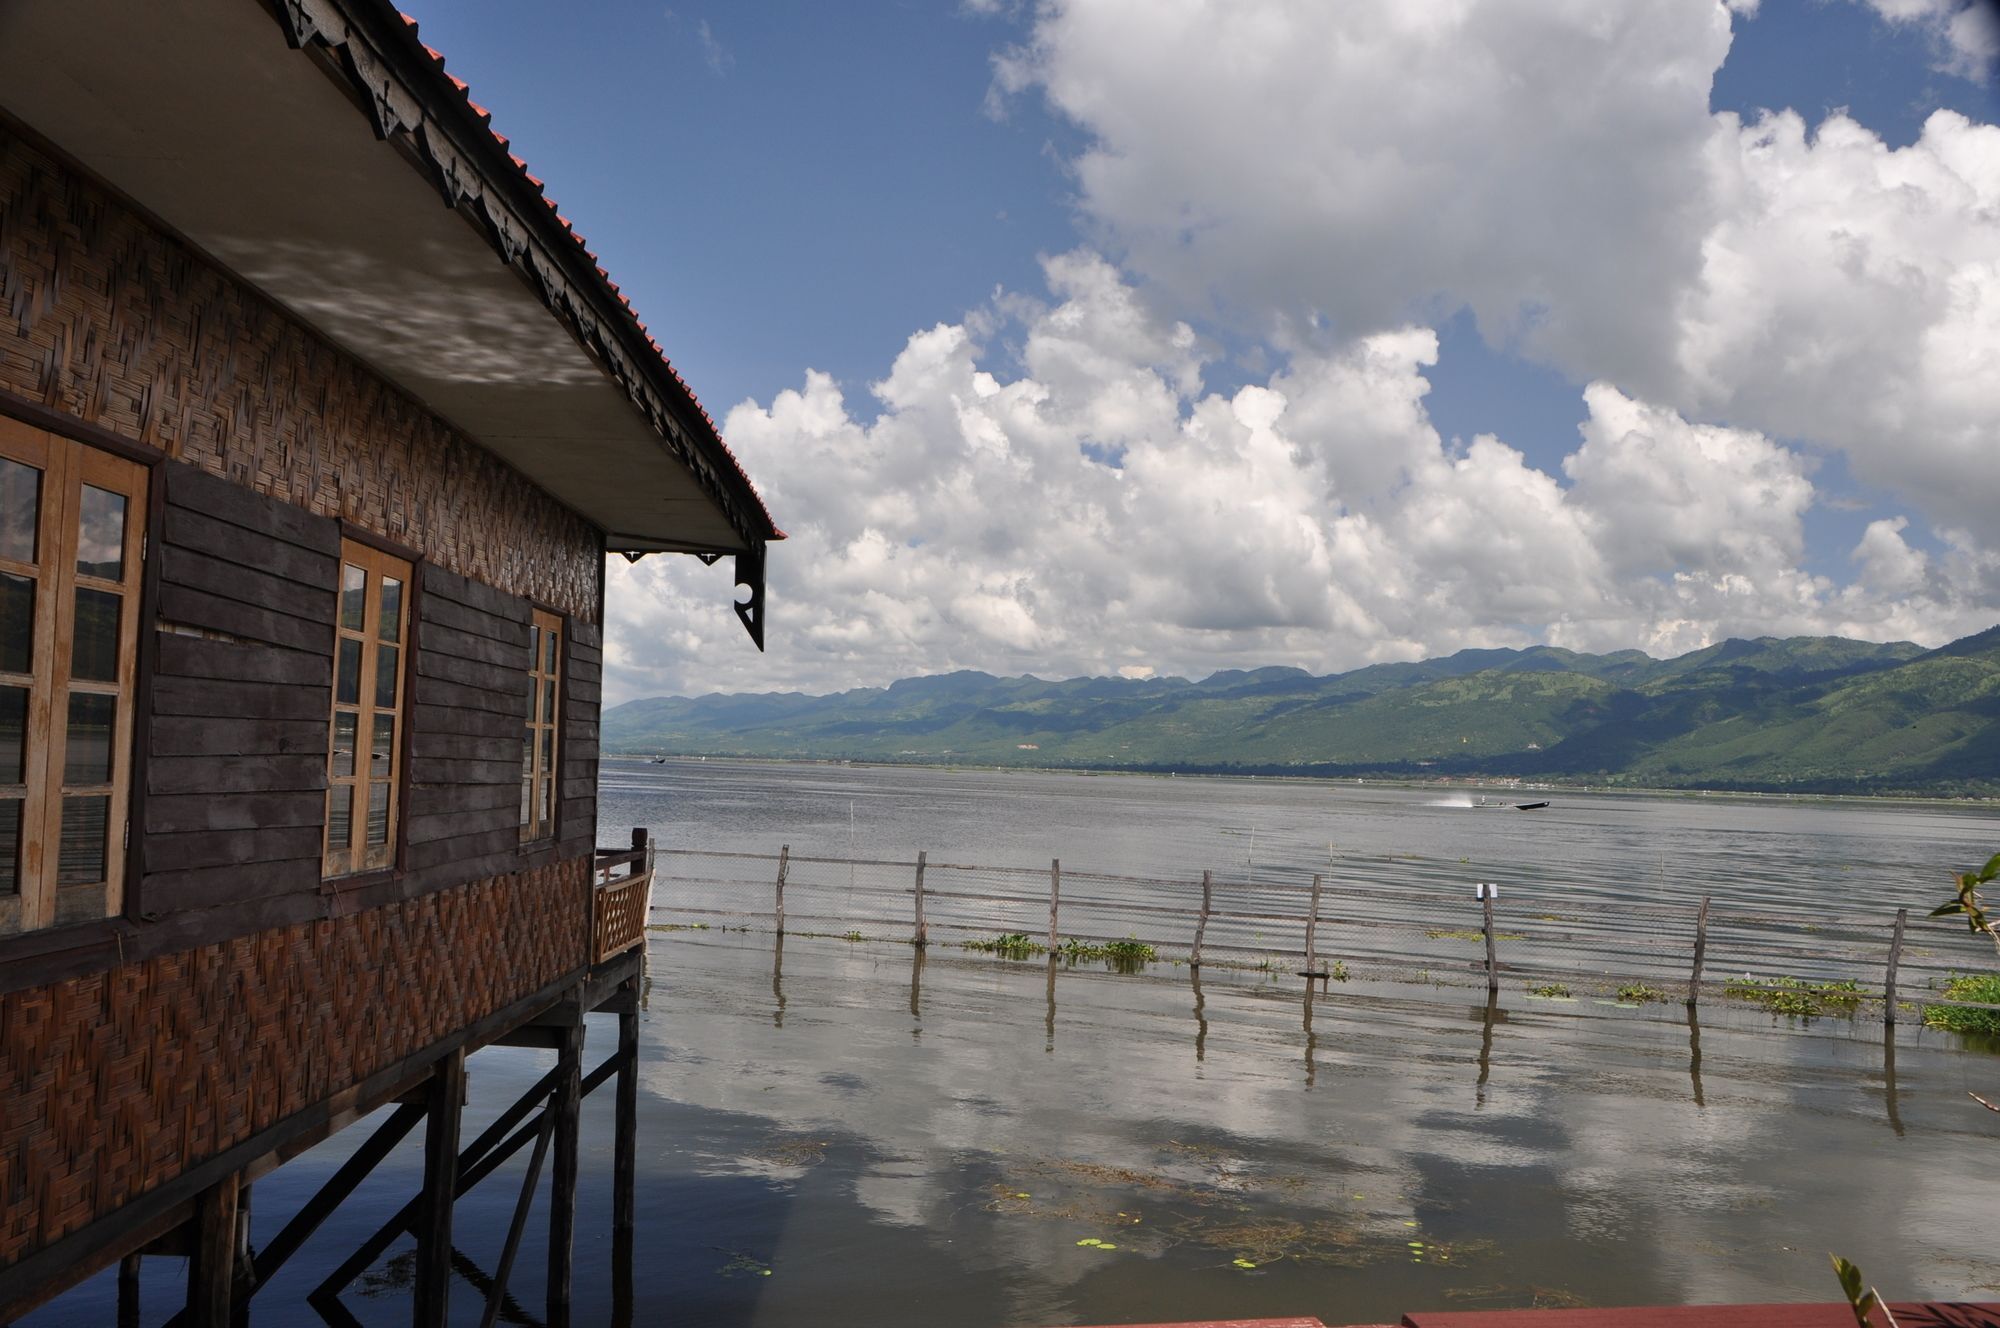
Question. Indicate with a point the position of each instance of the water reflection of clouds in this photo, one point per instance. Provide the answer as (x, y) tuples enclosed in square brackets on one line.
[(1585, 1148)]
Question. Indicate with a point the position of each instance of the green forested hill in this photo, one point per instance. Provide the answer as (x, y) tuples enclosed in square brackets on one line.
[(1807, 714)]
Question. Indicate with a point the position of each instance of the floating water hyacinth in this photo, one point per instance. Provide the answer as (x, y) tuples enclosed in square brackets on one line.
[(1243, 1263)]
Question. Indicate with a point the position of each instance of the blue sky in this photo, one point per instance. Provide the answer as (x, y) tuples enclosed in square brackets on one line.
[(785, 187)]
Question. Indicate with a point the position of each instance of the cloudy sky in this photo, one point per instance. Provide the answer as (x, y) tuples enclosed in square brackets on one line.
[(1097, 336)]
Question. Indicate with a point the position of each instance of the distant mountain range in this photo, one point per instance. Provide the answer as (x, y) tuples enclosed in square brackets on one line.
[(1806, 714)]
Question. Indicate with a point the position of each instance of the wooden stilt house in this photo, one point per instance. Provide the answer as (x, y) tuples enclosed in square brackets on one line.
[(317, 423)]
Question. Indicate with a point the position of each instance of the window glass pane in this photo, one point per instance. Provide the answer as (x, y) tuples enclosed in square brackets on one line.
[(20, 512), (549, 701), (13, 735), (344, 725), (100, 534), (548, 752), (534, 699), (353, 598), (87, 746), (390, 626), (347, 673), (339, 816), (378, 812), (548, 803), (10, 847), (86, 823), (534, 647), (384, 746), (386, 660), (549, 646), (93, 652), (17, 623), (528, 777)]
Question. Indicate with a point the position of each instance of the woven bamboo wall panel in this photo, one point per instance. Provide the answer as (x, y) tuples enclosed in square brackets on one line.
[(119, 1081), (108, 318)]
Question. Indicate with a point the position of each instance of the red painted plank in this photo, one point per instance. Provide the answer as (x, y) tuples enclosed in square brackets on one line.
[(1688, 1316)]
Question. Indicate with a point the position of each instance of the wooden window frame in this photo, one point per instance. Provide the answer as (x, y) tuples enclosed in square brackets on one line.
[(67, 465), (357, 856), (541, 784)]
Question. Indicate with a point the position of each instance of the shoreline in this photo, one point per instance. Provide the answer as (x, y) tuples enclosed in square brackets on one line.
[(1470, 783)]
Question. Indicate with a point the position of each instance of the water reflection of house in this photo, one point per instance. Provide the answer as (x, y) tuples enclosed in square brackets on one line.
[(316, 424)]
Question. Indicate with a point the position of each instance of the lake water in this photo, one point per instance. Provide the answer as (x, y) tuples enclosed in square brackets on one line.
[(838, 1133)]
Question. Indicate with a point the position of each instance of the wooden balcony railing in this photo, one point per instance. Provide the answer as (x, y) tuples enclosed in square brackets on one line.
[(622, 894)]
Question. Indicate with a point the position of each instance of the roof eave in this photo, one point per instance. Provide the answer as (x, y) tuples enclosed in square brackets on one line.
[(402, 86)]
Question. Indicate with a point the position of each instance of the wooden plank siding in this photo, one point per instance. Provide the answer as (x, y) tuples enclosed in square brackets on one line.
[(462, 812), (582, 665), (237, 719)]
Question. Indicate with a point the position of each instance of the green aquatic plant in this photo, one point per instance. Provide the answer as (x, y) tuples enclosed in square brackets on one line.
[(1981, 987), (1013, 944), (1128, 950), (1638, 993), (1796, 996), (851, 936), (1471, 934), (1552, 990)]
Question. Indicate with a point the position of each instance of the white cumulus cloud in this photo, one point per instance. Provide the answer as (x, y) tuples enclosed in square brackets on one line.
[(1088, 506)]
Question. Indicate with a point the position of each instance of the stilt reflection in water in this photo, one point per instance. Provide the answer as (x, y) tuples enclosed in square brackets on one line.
[(1050, 1045), (1488, 1015), (1889, 1078), (1694, 1053), (917, 990), (1200, 1018), (1312, 1039), (778, 980)]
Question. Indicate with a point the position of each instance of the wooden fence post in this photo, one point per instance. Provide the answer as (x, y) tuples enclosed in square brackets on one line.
[(1055, 898), (1895, 958), (1201, 925), (1492, 965), (1700, 951), (1312, 926), (923, 933), (784, 864)]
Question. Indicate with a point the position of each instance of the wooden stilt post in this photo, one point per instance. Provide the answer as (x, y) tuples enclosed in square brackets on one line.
[(1700, 951), (128, 1291), (625, 1143), (1055, 898), (444, 1098), (1895, 959), (1201, 923), (212, 1271), (784, 865), (1312, 928), (245, 1271), (565, 1104), (1492, 961), (923, 933)]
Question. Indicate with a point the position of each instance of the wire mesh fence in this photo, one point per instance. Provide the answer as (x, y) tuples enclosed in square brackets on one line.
[(1434, 931)]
